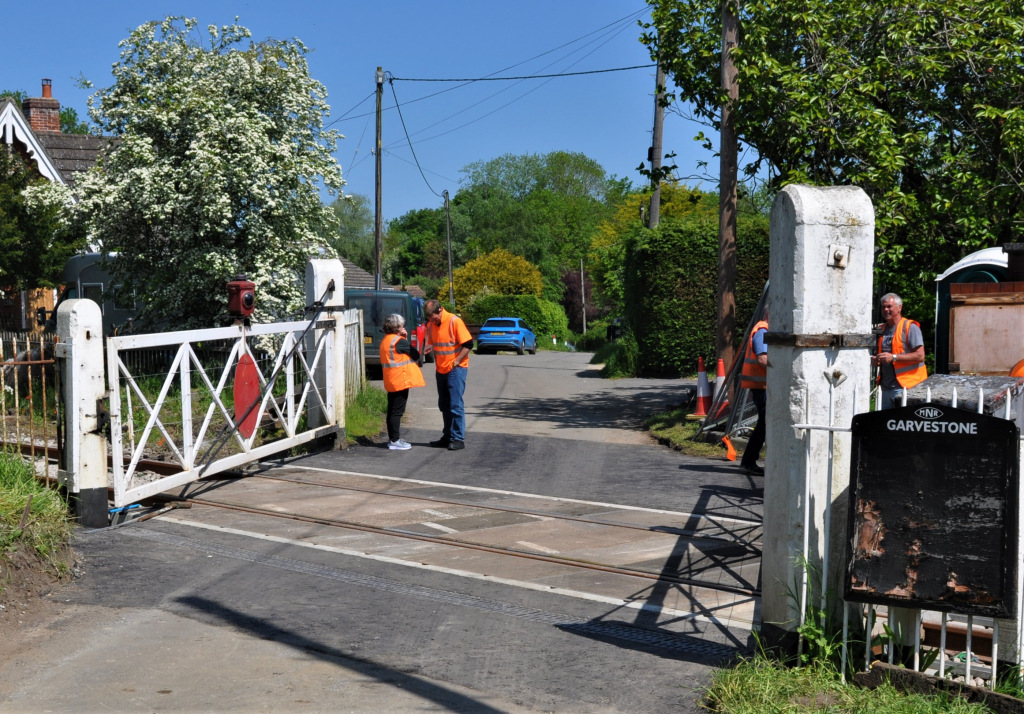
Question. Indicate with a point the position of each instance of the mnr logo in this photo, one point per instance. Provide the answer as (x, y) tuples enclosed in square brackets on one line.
[(928, 412)]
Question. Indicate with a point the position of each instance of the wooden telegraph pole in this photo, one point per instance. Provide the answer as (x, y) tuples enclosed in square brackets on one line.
[(727, 191), (378, 219), (654, 155)]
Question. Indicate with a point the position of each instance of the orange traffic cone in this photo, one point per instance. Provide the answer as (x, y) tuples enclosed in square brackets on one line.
[(703, 390), (730, 452), (719, 379)]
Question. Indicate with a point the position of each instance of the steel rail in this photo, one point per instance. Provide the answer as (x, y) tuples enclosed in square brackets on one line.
[(445, 540)]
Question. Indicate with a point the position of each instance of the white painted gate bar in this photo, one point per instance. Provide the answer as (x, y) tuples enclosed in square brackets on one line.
[(188, 451)]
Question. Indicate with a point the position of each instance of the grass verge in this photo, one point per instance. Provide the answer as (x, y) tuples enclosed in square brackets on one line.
[(34, 520), (672, 429), (364, 418), (761, 686)]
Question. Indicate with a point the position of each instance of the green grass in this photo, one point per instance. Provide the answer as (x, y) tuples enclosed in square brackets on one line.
[(763, 686), (364, 418), (45, 528), (672, 429)]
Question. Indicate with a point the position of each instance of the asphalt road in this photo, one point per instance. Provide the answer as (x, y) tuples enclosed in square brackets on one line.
[(211, 612)]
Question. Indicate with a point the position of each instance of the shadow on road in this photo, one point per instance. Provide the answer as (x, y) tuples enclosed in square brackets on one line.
[(731, 565), (446, 698), (625, 409)]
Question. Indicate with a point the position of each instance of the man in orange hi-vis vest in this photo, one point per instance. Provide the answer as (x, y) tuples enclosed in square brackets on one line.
[(900, 353), (451, 343), (754, 378)]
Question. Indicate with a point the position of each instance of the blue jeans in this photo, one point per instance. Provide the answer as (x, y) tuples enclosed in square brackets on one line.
[(892, 398), (450, 388)]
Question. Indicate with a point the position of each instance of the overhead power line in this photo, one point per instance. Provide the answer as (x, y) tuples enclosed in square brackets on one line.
[(529, 76)]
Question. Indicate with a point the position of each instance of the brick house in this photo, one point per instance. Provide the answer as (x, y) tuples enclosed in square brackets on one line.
[(34, 133)]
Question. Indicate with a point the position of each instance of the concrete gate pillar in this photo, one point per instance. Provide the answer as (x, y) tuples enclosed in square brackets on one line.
[(80, 354), (330, 375), (820, 300)]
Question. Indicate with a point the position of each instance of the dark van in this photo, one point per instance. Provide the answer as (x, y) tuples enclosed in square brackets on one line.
[(376, 305), (87, 276)]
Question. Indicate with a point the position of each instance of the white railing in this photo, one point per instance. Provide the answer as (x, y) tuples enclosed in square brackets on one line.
[(868, 613)]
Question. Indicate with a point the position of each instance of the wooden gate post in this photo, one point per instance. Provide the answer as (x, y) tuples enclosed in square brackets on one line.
[(820, 300), (330, 374), (80, 358)]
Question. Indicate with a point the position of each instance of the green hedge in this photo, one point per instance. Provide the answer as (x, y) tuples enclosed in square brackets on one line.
[(671, 288), (546, 318)]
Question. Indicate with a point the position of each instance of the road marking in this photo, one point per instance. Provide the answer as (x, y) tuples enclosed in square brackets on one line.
[(438, 514), (481, 489), (443, 529), (538, 548), (579, 595)]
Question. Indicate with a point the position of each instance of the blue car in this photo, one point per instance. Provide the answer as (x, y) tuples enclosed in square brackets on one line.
[(506, 333)]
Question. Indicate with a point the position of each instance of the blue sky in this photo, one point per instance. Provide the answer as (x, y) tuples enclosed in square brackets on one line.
[(607, 116)]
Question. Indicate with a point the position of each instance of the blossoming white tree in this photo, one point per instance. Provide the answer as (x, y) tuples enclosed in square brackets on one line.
[(217, 170)]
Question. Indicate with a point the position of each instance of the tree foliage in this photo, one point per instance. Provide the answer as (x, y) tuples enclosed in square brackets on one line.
[(352, 237), (34, 240), (607, 254), (671, 288), (544, 317), (920, 102), (542, 207), (221, 149), (497, 273)]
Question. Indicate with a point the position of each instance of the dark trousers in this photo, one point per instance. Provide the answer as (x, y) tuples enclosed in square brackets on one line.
[(753, 450), (396, 409)]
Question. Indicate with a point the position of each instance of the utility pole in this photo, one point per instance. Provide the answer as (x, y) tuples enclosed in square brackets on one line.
[(727, 189), (583, 297), (448, 234), (378, 219), (654, 155)]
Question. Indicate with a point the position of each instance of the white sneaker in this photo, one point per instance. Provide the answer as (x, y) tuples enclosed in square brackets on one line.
[(399, 445), (405, 443)]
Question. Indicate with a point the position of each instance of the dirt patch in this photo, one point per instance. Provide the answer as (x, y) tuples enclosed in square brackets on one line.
[(26, 582)]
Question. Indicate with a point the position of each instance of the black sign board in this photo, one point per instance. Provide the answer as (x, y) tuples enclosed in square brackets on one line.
[(933, 510)]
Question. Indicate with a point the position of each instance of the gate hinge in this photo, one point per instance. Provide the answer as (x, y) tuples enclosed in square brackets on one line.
[(789, 339), (102, 418)]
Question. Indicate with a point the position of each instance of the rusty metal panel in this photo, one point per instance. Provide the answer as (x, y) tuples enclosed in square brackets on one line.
[(932, 521)]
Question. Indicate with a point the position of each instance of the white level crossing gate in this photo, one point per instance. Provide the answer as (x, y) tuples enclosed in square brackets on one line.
[(189, 414), (200, 401)]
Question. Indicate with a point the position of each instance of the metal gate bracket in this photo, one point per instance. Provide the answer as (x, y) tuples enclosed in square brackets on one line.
[(789, 339)]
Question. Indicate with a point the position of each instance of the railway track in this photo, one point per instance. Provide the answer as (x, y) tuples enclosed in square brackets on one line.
[(743, 550)]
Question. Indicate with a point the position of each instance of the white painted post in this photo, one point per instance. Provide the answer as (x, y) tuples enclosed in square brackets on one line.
[(822, 244), (80, 327), (330, 374)]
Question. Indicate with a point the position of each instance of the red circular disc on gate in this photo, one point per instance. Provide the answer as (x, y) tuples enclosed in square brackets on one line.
[(247, 394)]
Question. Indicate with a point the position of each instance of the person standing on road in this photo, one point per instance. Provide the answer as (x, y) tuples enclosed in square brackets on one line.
[(398, 360), (900, 353), (754, 377), (451, 343)]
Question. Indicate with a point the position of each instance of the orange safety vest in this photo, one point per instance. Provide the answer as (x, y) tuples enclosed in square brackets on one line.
[(754, 375), (908, 374), (447, 340), (400, 372)]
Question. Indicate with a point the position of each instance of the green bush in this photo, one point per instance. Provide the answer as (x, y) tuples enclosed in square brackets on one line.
[(621, 357), (671, 285), (595, 337), (544, 317)]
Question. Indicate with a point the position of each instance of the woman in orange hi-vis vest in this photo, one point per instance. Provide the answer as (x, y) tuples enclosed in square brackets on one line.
[(398, 361), (900, 353)]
